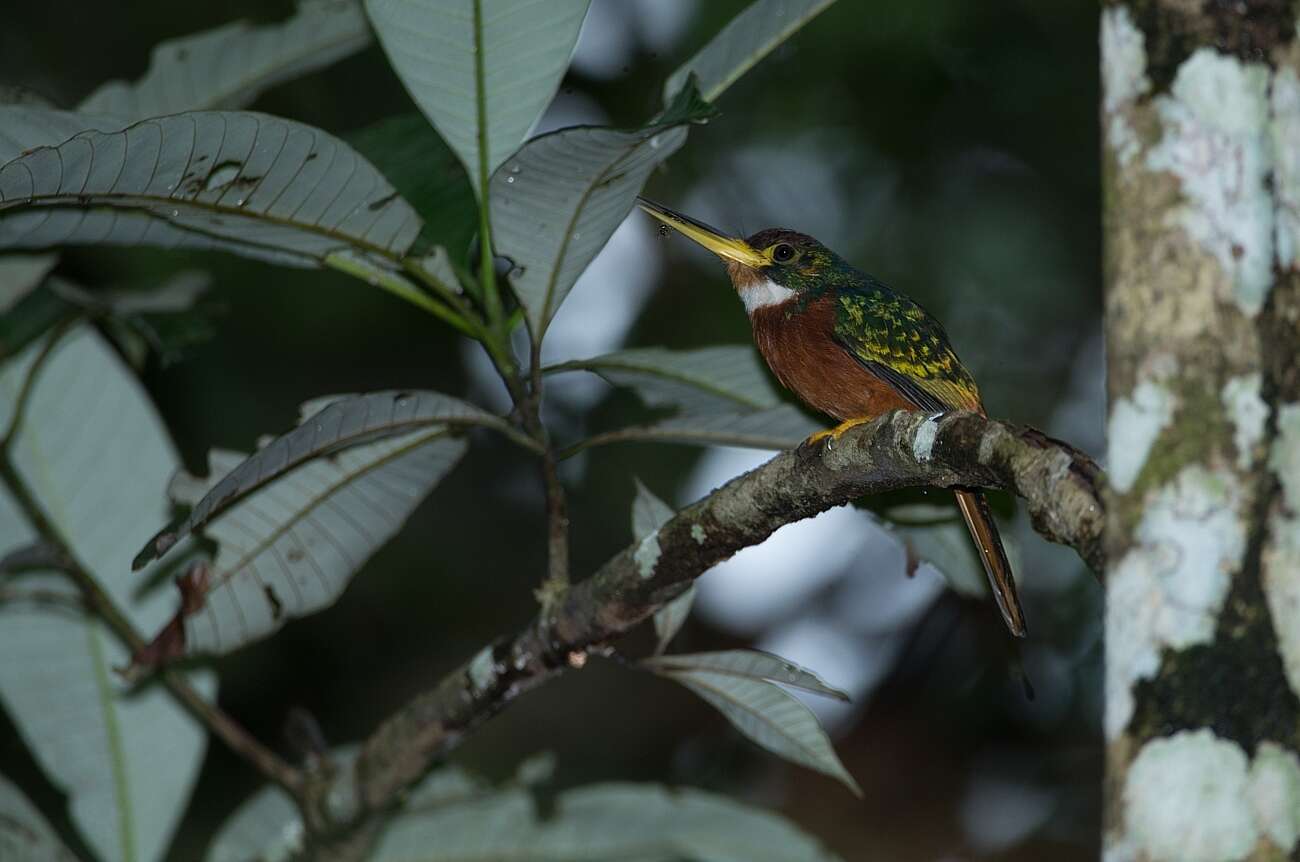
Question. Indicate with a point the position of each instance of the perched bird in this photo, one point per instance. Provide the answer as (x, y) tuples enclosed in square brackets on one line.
[(850, 347)]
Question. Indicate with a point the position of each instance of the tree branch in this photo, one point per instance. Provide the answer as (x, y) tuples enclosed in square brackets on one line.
[(1062, 489)]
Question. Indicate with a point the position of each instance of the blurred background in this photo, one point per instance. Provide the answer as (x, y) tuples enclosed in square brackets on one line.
[(947, 147)]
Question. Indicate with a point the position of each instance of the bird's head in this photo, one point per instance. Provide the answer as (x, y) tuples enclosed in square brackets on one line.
[(770, 267)]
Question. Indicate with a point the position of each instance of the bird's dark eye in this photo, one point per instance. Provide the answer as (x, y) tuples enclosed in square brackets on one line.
[(783, 253)]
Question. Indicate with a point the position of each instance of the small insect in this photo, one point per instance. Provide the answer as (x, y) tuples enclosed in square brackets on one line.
[(665, 231)]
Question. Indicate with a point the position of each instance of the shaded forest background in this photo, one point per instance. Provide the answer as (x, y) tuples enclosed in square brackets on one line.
[(949, 148)]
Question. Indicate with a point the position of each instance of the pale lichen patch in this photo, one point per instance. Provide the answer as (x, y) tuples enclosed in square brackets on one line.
[(1248, 411), (698, 534), (1135, 424), (1214, 140), (923, 442), (1285, 99), (1123, 78), (646, 555), (1284, 460), (1281, 582), (1275, 794), (1185, 798), (1168, 590), (1281, 556), (482, 671)]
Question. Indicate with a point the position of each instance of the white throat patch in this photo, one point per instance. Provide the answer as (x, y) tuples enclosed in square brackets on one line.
[(762, 294)]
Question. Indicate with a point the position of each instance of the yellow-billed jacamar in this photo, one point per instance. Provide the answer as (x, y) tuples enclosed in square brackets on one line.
[(852, 348)]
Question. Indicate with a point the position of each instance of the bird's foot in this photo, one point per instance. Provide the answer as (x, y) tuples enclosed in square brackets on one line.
[(832, 435)]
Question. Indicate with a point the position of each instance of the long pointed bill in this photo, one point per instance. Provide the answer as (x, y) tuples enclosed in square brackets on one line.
[(725, 247)]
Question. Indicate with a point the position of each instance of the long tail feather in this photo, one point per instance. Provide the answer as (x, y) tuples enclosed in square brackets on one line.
[(975, 509)]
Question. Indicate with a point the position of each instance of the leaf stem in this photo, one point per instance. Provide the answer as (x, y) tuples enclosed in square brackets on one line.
[(487, 271), (557, 515)]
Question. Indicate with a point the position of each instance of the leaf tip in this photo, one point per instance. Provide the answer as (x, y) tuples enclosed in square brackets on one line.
[(153, 549)]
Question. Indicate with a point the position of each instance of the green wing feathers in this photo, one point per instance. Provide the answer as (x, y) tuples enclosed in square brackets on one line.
[(896, 339)]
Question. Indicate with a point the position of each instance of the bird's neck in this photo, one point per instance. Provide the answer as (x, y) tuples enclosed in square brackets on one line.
[(755, 289)]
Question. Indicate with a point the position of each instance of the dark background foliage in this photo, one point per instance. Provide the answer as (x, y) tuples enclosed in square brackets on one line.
[(948, 147)]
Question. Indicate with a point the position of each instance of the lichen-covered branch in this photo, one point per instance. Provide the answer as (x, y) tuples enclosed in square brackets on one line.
[(1060, 487)]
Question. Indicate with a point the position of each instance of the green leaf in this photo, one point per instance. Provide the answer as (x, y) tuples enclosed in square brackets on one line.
[(482, 71), (267, 826), (776, 428), (32, 315), (649, 513), (253, 184), (723, 378), (453, 817), (329, 424), (750, 664), (291, 546), (558, 200), (26, 126), (228, 67), (20, 274), (739, 46), (96, 456), (935, 535), (24, 833), (721, 395), (598, 823), (424, 170), (768, 715)]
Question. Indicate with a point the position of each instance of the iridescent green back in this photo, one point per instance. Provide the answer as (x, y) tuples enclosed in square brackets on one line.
[(897, 339)]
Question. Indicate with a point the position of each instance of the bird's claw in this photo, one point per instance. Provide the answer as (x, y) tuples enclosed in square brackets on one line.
[(832, 435)]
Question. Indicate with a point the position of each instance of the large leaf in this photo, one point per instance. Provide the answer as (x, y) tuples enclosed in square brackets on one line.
[(723, 378), (20, 274), (420, 165), (328, 425), (558, 200), (291, 547), (250, 183), (97, 458), (481, 70), (783, 427), (934, 535), (24, 833), (597, 823), (230, 66), (747, 39), (721, 396), (765, 713), (25, 127), (649, 513), (749, 664)]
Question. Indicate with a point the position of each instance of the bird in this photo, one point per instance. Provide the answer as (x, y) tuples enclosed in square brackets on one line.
[(850, 347)]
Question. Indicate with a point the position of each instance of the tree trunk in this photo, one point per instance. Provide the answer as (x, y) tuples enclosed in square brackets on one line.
[(1201, 142)]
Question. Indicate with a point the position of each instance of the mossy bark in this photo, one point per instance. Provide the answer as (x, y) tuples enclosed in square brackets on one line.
[(1201, 148)]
